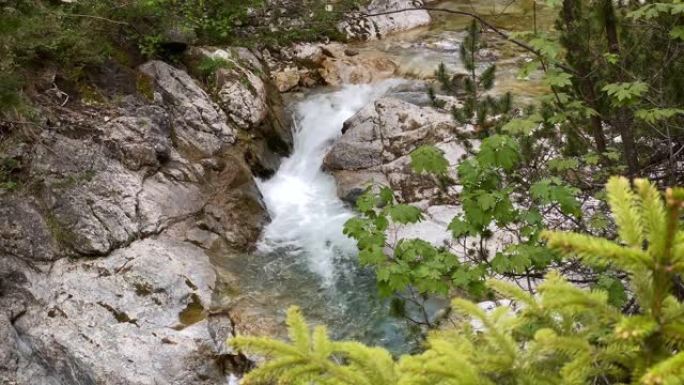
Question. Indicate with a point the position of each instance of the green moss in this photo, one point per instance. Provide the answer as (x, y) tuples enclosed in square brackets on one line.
[(193, 312), (8, 167), (91, 95), (145, 86), (60, 233), (75, 179), (209, 66), (11, 96), (244, 80)]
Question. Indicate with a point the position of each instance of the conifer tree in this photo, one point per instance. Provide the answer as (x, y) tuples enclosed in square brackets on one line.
[(476, 108)]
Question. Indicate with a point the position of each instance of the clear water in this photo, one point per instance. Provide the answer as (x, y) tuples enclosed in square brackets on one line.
[(303, 258), (419, 52)]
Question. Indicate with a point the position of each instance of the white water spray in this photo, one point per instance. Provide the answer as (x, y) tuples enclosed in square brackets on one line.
[(307, 216)]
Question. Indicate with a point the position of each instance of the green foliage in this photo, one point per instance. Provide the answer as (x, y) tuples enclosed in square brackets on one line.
[(563, 335), (655, 115), (429, 159), (652, 11), (413, 262), (487, 198), (73, 36), (625, 93), (11, 98), (209, 65), (8, 167), (677, 33), (553, 191), (598, 66)]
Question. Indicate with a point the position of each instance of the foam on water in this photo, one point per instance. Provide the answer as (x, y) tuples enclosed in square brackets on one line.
[(307, 216)]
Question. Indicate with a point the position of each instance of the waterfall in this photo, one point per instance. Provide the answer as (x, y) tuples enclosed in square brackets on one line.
[(307, 216)]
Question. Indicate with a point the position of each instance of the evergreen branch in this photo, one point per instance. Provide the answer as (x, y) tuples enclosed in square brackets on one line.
[(623, 204), (376, 363), (559, 295), (669, 372), (653, 216), (499, 339), (271, 370), (297, 329), (598, 251), (264, 345), (509, 290)]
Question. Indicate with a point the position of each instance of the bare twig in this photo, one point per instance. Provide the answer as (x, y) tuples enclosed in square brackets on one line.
[(95, 18)]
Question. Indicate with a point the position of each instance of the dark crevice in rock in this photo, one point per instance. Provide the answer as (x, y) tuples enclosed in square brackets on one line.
[(144, 289), (16, 317), (192, 314), (52, 313), (189, 283), (120, 316)]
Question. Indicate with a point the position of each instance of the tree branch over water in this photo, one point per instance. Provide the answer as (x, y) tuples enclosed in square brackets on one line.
[(480, 19)]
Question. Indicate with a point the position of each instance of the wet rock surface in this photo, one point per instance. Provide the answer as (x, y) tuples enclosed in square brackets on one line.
[(307, 65)]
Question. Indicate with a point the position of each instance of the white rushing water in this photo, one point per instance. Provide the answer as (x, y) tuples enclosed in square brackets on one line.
[(307, 216)]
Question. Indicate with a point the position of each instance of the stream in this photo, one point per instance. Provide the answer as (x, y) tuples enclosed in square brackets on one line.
[(303, 258)]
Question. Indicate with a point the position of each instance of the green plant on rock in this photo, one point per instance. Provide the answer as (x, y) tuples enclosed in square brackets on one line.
[(412, 262), (208, 68), (563, 335), (497, 192)]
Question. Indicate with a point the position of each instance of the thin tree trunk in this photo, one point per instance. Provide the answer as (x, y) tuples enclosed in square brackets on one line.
[(585, 82), (623, 120)]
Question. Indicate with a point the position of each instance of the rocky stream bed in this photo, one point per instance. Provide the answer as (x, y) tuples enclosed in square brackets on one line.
[(151, 228)]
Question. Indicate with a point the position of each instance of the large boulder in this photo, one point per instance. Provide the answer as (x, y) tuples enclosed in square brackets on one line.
[(333, 64), (343, 66), (287, 79), (359, 26), (199, 124), (251, 100), (137, 316), (110, 250), (375, 147)]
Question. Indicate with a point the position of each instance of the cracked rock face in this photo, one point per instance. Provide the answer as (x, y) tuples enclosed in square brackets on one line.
[(105, 269), (244, 89), (91, 200), (376, 144), (100, 320), (199, 122), (18, 218)]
